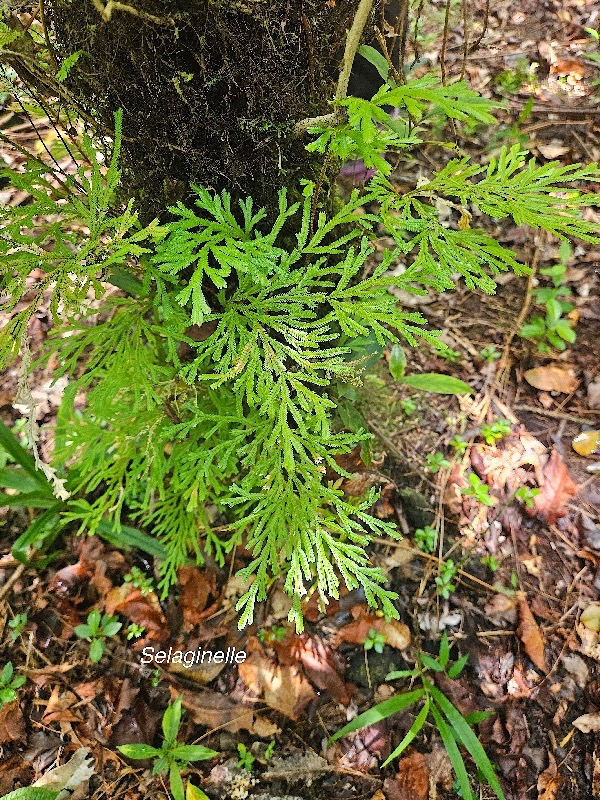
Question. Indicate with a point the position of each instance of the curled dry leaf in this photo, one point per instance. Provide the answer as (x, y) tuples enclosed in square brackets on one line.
[(552, 379), (588, 723), (549, 781), (556, 490), (140, 609), (196, 587), (530, 635), (12, 724), (396, 633)]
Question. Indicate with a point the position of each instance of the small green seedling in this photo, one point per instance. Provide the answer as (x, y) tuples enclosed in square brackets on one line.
[(459, 445), (555, 328), (456, 730), (16, 624), (134, 631), (443, 580), (140, 580), (275, 634), (425, 538), (490, 354), (374, 641), (408, 406), (479, 490), (526, 495), (9, 684), (496, 431), (436, 461), (97, 628), (491, 562), (246, 760), (173, 756)]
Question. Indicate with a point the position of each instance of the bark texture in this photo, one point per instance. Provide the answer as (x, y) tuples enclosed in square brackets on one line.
[(210, 89)]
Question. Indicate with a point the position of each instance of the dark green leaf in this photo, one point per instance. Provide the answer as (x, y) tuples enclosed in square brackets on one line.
[(380, 711), (397, 362), (138, 751), (412, 733), (192, 752), (176, 783), (374, 57), (468, 738), (171, 720), (13, 447), (458, 765), (458, 666)]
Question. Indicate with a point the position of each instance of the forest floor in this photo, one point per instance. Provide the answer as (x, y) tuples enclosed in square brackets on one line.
[(512, 575)]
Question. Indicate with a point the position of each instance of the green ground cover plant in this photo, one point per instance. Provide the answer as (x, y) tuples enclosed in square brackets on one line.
[(456, 731), (212, 382)]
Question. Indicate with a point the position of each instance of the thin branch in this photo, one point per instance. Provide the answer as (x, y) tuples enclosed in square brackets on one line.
[(352, 42)]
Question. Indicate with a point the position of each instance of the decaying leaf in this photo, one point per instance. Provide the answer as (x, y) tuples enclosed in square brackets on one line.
[(549, 781), (283, 687), (556, 490), (196, 588), (530, 635), (552, 378), (214, 710), (143, 610), (396, 633), (588, 723), (590, 617), (412, 780), (12, 724)]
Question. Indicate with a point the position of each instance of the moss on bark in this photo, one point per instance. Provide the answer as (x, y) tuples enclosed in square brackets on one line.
[(210, 89)]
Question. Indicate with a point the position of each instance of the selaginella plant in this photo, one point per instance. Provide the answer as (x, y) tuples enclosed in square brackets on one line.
[(211, 381)]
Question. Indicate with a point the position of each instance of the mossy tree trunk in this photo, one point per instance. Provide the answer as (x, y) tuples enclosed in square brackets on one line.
[(210, 90)]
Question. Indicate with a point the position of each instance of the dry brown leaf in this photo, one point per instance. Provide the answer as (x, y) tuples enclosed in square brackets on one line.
[(556, 490), (283, 688), (140, 609), (552, 379), (12, 724), (214, 710), (549, 781), (530, 634), (58, 708), (196, 587), (412, 780), (320, 666), (588, 723), (396, 633)]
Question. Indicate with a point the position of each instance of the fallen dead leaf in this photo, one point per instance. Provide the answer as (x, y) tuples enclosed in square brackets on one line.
[(530, 634), (140, 609), (552, 379), (283, 688), (590, 617), (556, 490), (588, 723), (196, 587), (12, 724), (549, 781), (58, 707), (396, 633), (320, 665), (214, 710), (412, 780)]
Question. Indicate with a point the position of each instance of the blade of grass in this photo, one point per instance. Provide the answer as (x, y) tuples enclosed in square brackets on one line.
[(379, 712), (458, 765), (468, 738), (412, 733), (17, 452)]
